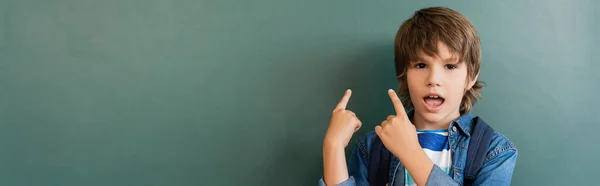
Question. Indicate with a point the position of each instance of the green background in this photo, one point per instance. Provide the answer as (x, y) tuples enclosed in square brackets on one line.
[(233, 92)]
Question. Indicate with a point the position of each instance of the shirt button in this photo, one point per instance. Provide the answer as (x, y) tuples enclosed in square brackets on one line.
[(454, 128)]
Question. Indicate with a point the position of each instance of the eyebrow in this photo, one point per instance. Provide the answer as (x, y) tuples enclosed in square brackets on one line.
[(451, 60), (447, 60)]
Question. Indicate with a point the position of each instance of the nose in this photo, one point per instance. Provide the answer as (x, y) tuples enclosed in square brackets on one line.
[(434, 78)]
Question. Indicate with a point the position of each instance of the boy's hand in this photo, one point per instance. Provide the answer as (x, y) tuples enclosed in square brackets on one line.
[(342, 125), (397, 133)]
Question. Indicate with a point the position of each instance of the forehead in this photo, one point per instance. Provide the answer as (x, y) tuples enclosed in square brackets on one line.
[(443, 54)]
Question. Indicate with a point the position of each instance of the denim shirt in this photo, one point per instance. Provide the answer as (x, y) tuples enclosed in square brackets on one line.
[(497, 168)]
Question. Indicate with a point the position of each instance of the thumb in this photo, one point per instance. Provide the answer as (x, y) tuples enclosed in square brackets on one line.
[(378, 130)]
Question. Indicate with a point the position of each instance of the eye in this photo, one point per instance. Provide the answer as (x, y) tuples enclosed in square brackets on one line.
[(420, 65), (451, 66)]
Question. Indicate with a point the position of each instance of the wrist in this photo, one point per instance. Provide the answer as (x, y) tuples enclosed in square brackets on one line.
[(409, 150), (332, 144)]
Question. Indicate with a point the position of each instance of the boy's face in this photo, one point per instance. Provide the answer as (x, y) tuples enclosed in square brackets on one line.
[(436, 86)]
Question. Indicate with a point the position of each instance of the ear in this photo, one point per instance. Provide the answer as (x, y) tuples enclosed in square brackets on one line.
[(472, 81)]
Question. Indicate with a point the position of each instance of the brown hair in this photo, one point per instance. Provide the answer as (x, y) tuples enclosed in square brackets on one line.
[(423, 31)]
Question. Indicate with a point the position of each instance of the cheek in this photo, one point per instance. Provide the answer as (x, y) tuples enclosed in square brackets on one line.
[(414, 86), (411, 79), (457, 88), (458, 78)]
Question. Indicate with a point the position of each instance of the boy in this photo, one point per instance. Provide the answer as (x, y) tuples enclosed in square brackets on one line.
[(437, 59)]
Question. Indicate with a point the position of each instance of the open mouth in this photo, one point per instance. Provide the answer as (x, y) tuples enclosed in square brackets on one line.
[(433, 101)]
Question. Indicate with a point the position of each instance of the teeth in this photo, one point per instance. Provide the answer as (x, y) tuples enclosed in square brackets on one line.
[(433, 96)]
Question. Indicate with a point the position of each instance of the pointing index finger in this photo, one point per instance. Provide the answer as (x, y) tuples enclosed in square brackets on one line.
[(344, 101), (398, 106)]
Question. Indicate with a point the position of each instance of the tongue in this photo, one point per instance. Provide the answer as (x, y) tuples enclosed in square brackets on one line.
[(434, 101)]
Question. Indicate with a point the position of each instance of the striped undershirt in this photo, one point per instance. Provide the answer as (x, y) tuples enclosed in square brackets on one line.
[(436, 146)]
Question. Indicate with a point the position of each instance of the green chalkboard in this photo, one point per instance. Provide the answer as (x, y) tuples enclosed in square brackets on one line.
[(233, 92)]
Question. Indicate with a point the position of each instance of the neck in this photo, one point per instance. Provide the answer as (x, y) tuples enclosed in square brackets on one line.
[(422, 124)]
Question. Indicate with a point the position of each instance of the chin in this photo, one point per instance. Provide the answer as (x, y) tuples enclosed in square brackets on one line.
[(431, 117)]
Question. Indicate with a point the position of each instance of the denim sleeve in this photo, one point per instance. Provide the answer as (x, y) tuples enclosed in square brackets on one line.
[(349, 182), (438, 177), (357, 164), (497, 169)]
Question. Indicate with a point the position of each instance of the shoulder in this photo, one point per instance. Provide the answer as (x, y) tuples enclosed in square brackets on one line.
[(499, 145)]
